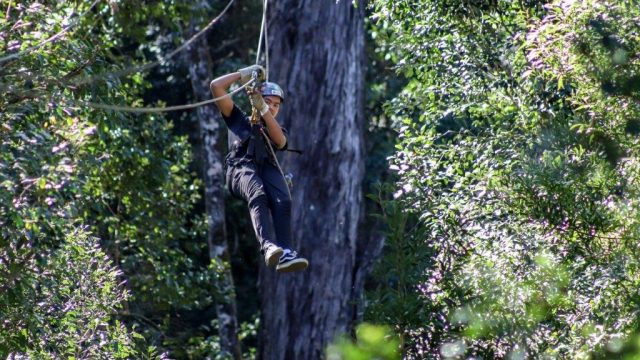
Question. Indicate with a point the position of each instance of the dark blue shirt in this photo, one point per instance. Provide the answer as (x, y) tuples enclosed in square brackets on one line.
[(245, 141)]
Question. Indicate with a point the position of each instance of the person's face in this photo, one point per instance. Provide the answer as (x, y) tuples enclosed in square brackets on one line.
[(274, 104)]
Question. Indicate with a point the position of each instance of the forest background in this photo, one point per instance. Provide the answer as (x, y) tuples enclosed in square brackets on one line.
[(469, 186)]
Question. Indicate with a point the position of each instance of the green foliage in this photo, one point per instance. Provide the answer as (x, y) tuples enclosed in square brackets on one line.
[(518, 158), (69, 173), (372, 342), (53, 310), (395, 302)]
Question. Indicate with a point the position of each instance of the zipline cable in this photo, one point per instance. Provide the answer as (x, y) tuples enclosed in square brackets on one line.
[(263, 34), (266, 40), (150, 65), (52, 38), (155, 63)]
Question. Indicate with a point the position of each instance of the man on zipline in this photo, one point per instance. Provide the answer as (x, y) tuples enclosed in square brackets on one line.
[(252, 172)]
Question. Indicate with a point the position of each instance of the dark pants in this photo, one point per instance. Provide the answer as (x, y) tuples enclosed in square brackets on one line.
[(265, 191)]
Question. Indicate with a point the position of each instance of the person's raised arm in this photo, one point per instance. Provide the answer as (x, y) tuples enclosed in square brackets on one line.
[(219, 88), (275, 131), (220, 85)]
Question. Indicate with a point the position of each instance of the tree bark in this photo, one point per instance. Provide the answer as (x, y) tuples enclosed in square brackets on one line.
[(317, 56), (209, 132)]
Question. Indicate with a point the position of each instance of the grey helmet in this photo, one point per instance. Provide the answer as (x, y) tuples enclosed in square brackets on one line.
[(272, 89)]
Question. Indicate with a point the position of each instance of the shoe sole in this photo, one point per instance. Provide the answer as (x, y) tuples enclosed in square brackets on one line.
[(294, 265), (272, 260)]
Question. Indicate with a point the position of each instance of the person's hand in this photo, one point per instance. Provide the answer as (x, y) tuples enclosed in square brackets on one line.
[(247, 73), (258, 102)]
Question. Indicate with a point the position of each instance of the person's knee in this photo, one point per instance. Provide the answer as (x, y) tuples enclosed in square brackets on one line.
[(258, 199)]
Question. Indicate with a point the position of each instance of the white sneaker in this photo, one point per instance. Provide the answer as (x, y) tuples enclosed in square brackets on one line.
[(272, 254)]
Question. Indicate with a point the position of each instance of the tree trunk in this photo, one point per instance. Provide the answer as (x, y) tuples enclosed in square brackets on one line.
[(317, 55), (209, 131)]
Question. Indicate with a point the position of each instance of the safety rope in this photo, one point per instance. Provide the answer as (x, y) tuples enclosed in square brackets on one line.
[(273, 153), (167, 108), (52, 38), (150, 65)]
